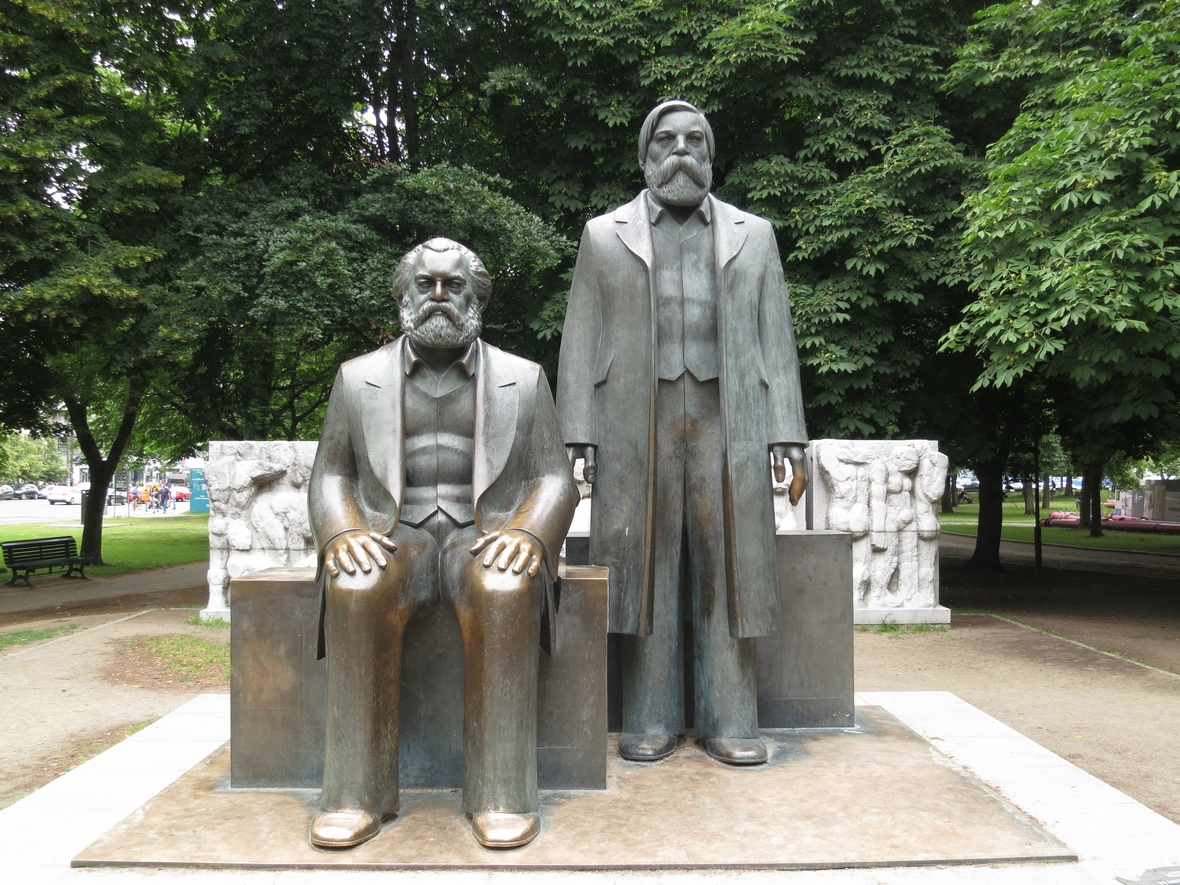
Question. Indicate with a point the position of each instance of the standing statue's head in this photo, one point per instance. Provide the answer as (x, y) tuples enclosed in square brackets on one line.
[(676, 153), (441, 288)]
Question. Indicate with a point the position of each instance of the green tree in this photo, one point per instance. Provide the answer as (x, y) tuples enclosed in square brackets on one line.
[(94, 156), (1072, 236), (25, 459), (291, 276)]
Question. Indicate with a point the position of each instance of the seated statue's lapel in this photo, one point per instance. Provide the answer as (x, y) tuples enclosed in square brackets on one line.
[(496, 403), (380, 401)]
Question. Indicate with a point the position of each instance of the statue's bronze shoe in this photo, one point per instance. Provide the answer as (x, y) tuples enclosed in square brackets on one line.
[(737, 751), (646, 747), (343, 829), (500, 829)]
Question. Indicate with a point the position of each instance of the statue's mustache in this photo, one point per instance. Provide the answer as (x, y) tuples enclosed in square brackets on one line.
[(443, 307), (688, 165)]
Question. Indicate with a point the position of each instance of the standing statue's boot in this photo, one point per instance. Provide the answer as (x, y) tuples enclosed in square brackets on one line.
[(646, 747), (737, 751), (501, 829), (344, 829)]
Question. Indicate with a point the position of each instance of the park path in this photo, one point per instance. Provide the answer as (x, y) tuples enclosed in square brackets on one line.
[(50, 592)]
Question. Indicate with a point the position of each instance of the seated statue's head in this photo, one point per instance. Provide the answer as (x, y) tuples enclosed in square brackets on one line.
[(441, 288), (676, 153)]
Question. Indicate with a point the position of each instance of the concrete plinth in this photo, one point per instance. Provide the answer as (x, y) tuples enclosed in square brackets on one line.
[(830, 799), (805, 671), (278, 688), (939, 614)]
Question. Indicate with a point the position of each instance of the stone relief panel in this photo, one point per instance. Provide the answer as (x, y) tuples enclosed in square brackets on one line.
[(885, 494), (257, 510)]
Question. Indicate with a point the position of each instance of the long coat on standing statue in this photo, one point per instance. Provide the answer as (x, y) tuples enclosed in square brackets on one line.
[(610, 339)]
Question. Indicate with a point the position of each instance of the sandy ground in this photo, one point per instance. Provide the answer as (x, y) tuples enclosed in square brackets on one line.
[(70, 697)]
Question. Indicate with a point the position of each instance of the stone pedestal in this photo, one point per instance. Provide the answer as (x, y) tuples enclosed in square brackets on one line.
[(805, 673), (277, 688)]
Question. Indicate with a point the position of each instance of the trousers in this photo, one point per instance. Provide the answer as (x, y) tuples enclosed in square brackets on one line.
[(688, 517), (499, 617)]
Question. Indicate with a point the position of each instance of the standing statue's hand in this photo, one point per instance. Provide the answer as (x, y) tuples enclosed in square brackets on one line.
[(588, 454), (509, 547), (782, 452), (357, 549)]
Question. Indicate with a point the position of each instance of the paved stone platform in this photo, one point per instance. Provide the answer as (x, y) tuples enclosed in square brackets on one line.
[(827, 799), (1113, 835)]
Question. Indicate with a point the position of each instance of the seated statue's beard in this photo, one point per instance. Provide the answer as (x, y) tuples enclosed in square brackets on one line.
[(679, 180), (442, 326)]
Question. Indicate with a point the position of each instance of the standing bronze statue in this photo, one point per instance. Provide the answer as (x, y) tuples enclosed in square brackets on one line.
[(440, 474), (679, 385)]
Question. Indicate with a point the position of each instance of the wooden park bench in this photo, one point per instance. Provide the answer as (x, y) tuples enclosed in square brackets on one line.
[(38, 553)]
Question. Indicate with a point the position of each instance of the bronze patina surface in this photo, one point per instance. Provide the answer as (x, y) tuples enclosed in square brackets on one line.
[(440, 479), (277, 691), (874, 796), (678, 383)]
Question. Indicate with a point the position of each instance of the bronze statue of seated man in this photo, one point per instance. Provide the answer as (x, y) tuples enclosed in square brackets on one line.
[(440, 474)]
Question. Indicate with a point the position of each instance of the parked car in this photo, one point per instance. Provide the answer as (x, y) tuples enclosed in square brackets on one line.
[(181, 493), (64, 495), (43, 492), (28, 491), (7, 493)]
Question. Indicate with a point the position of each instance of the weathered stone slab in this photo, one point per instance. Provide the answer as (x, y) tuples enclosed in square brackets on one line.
[(885, 493)]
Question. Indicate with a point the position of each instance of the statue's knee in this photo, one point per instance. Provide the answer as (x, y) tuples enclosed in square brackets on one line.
[(345, 589), (492, 580)]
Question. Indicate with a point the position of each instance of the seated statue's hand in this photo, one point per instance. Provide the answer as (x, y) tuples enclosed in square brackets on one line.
[(357, 549), (510, 548)]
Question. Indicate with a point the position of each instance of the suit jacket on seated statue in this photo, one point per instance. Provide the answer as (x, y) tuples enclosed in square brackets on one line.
[(440, 474)]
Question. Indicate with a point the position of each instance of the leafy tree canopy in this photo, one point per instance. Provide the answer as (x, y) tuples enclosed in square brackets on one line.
[(1072, 238), (290, 276)]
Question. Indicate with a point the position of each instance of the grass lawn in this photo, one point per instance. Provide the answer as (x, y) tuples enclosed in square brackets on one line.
[(1018, 527), (132, 545)]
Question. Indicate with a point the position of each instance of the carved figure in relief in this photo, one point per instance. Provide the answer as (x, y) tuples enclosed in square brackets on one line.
[(931, 481), (845, 470), (244, 533), (884, 494)]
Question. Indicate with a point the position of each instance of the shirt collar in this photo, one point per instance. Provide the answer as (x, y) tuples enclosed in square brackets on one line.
[(411, 359), (656, 210)]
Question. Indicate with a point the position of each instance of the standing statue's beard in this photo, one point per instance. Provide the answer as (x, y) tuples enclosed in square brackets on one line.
[(440, 325), (679, 181)]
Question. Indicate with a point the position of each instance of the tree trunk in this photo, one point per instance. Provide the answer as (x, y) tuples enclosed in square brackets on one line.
[(1069, 483), (102, 470), (950, 495), (991, 517), (1027, 491), (1094, 498), (1046, 495), (408, 78)]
